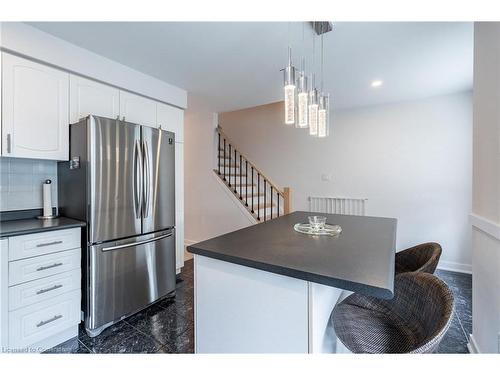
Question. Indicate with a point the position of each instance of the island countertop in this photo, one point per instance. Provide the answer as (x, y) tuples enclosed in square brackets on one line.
[(360, 259)]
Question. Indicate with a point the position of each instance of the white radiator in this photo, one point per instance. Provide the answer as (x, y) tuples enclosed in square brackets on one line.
[(344, 206)]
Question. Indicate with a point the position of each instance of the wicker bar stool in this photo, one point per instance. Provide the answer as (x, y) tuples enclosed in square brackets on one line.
[(414, 321), (420, 258)]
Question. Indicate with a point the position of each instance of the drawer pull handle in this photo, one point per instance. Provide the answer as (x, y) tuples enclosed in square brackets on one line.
[(41, 291), (47, 267), (49, 243), (43, 322)]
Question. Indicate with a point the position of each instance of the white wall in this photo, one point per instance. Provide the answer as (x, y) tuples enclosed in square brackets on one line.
[(412, 160), (486, 186), (209, 209)]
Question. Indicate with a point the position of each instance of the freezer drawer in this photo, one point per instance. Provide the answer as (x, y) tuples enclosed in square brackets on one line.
[(125, 276)]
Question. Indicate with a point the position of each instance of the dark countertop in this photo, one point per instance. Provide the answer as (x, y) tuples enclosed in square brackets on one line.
[(361, 259), (11, 228)]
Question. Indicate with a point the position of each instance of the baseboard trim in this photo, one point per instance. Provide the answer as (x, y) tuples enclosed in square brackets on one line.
[(472, 346), (455, 267), (485, 225)]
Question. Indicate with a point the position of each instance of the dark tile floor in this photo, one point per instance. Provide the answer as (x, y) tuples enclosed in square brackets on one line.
[(168, 327), (457, 337)]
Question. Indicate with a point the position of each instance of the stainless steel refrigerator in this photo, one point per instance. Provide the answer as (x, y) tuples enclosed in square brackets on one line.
[(120, 180)]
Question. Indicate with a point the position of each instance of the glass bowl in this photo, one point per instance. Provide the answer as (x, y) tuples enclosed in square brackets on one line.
[(317, 223)]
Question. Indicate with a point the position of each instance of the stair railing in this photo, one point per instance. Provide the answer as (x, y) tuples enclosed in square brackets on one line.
[(254, 193)]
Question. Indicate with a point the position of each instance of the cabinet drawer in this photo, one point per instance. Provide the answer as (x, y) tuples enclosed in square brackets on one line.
[(42, 320), (21, 271), (40, 290), (35, 244)]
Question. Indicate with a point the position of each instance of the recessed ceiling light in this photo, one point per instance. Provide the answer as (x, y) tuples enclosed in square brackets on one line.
[(377, 83)]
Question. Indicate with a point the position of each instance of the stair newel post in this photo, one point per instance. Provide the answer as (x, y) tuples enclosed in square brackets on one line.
[(246, 180), (218, 153), (229, 164), (258, 196), (224, 159), (287, 200)]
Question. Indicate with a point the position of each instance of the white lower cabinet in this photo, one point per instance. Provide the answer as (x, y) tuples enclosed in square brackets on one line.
[(40, 289), (31, 324)]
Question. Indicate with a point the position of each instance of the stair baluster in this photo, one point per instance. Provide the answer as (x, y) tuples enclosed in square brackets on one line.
[(230, 165), (229, 153)]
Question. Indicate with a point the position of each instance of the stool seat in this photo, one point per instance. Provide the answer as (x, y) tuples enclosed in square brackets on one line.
[(414, 321)]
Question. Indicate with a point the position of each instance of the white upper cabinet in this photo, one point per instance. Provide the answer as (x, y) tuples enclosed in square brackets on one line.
[(171, 119), (35, 110), (137, 109), (88, 97)]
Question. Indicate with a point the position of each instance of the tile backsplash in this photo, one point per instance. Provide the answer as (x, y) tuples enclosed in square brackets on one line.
[(21, 183)]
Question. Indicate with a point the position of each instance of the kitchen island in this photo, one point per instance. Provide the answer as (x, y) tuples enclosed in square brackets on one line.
[(269, 289)]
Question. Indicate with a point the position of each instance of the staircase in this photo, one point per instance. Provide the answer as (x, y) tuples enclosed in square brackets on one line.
[(263, 199)]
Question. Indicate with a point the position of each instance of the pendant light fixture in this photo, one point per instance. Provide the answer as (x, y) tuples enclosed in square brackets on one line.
[(305, 106), (303, 99), (302, 90), (289, 83), (313, 94), (323, 109)]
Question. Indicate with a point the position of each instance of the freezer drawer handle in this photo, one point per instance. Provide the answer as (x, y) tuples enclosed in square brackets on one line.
[(47, 267), (41, 291), (43, 322), (135, 243), (49, 243)]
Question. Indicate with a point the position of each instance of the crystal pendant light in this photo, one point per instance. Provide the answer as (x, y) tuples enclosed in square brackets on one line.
[(313, 109), (323, 115), (290, 90), (323, 103), (302, 98)]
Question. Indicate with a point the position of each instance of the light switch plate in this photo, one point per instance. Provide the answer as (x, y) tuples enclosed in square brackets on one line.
[(326, 177)]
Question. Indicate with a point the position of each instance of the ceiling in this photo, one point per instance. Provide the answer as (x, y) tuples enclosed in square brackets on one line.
[(237, 65)]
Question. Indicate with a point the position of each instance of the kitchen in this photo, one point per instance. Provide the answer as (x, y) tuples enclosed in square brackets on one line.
[(127, 228), (42, 100)]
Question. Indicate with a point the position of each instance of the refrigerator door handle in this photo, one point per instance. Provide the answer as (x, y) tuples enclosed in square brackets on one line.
[(136, 243), (137, 179), (147, 179)]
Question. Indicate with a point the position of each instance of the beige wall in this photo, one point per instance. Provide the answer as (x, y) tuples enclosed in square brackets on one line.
[(209, 210), (412, 160)]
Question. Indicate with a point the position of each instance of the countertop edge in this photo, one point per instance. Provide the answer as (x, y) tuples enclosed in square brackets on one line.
[(13, 233), (307, 276)]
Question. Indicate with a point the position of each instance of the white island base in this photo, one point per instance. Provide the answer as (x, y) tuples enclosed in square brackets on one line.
[(240, 309)]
